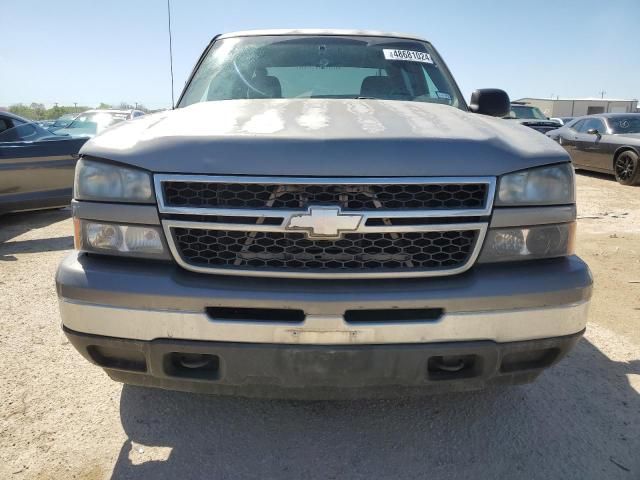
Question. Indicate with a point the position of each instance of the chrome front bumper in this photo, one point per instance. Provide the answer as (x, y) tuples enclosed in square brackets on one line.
[(500, 303)]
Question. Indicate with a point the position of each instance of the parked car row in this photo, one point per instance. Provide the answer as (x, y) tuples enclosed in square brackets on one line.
[(92, 122), (606, 143)]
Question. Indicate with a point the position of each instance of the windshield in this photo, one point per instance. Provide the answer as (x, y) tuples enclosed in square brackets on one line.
[(64, 120), (625, 124), (524, 111), (95, 122), (322, 67)]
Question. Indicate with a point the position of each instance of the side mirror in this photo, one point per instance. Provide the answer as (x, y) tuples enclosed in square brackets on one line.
[(593, 131), (490, 101)]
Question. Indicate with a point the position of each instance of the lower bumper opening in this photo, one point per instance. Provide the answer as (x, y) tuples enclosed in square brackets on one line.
[(118, 358), (198, 366), (239, 314), (393, 315), (453, 367)]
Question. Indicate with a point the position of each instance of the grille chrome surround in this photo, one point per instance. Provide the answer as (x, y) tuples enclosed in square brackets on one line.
[(278, 219), (348, 196)]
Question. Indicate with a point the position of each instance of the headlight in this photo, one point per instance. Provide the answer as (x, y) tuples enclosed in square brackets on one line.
[(106, 182), (128, 240), (527, 243), (554, 185)]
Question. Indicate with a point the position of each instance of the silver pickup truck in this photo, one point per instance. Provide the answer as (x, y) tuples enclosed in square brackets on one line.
[(324, 216)]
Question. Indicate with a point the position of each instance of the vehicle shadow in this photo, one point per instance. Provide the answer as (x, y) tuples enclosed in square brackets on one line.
[(598, 175), (15, 224), (579, 420)]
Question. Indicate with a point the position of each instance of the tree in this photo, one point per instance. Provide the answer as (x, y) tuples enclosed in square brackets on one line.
[(21, 110), (104, 106), (38, 110), (55, 112)]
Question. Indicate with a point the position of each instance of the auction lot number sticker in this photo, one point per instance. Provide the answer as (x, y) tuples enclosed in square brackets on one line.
[(407, 55)]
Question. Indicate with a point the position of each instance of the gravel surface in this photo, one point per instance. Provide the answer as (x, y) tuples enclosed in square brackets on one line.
[(63, 418)]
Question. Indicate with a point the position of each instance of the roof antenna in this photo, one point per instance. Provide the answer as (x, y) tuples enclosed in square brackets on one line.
[(170, 53)]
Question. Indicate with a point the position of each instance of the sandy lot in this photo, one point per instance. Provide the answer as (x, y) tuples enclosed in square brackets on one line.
[(61, 417)]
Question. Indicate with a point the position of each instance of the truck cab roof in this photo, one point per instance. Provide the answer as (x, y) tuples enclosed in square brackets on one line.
[(320, 32)]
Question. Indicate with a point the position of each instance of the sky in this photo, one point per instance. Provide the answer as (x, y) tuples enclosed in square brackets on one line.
[(114, 51)]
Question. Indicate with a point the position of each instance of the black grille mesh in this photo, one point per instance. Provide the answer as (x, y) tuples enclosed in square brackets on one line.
[(349, 197), (355, 251)]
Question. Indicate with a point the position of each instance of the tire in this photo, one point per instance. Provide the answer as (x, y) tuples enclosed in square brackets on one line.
[(626, 168)]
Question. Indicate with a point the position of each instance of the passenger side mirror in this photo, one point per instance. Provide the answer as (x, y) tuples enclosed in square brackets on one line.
[(490, 101)]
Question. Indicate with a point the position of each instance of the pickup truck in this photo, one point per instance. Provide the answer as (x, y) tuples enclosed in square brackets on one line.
[(323, 216), (532, 117)]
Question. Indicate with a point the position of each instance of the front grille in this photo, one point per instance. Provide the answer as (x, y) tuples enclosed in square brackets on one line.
[(348, 197), (541, 127), (295, 227), (353, 252)]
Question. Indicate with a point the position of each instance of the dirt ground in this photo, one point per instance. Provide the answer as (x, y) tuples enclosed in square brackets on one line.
[(61, 417)]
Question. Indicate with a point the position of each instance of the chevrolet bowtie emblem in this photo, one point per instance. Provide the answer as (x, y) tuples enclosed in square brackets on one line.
[(324, 222)]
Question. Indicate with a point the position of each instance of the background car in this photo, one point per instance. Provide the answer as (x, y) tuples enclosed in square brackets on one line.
[(45, 123), (562, 120), (37, 166), (532, 117), (607, 143), (92, 122), (63, 121)]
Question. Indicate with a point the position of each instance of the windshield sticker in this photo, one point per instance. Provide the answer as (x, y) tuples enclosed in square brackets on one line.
[(444, 95), (407, 55)]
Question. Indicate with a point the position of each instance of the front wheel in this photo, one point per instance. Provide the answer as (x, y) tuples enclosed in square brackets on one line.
[(627, 168)]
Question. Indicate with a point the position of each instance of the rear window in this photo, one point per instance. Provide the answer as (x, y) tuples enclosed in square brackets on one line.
[(630, 124)]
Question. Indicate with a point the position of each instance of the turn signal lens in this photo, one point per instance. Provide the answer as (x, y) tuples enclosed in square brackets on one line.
[(128, 240), (526, 243)]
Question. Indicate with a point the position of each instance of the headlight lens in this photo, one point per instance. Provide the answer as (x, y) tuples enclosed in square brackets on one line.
[(554, 185), (527, 243), (128, 240), (106, 182)]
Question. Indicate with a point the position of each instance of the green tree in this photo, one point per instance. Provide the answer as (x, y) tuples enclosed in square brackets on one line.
[(22, 110), (55, 112), (38, 110)]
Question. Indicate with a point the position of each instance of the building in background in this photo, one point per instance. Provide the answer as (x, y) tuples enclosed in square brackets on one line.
[(576, 107)]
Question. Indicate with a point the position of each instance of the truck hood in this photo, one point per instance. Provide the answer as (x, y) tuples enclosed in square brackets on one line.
[(324, 137)]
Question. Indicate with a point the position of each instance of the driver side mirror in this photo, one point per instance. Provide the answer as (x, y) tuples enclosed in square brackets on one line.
[(490, 101), (593, 131)]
